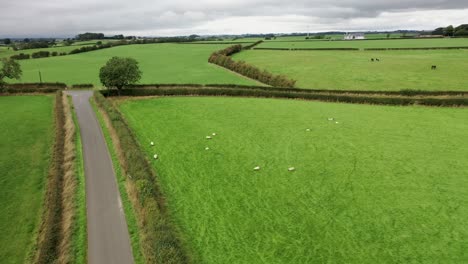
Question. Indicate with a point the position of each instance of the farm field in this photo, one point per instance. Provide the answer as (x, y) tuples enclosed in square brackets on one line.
[(394, 43), (25, 140), (160, 63), (5, 52), (353, 70), (375, 187), (9, 52)]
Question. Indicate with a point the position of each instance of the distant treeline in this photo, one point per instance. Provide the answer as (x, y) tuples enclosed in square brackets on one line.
[(223, 59), (450, 31)]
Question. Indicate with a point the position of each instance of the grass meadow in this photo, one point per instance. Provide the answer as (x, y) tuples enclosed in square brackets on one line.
[(160, 63), (378, 184), (26, 138), (353, 70), (394, 43), (7, 52)]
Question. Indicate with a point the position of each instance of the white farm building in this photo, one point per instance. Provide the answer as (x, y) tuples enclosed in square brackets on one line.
[(353, 36)]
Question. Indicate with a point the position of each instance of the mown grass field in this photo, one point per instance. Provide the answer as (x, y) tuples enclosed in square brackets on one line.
[(25, 142), (160, 63), (394, 43), (383, 185), (353, 70)]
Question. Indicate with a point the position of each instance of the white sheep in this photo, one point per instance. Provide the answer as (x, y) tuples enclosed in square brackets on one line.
[(331, 119), (257, 168), (291, 169), (308, 130), (207, 148), (214, 134), (152, 143), (155, 156), (208, 137), (337, 122)]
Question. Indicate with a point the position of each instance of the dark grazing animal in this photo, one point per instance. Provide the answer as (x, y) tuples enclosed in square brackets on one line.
[(434, 67), (377, 59), (372, 59)]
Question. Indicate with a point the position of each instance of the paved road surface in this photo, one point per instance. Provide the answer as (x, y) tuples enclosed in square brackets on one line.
[(108, 239)]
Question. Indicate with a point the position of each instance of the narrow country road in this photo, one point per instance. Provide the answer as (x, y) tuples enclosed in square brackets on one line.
[(108, 238)]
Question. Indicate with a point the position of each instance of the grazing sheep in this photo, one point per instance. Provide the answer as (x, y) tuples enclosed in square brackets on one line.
[(331, 119), (155, 156), (257, 168), (207, 148), (208, 137), (152, 143), (214, 134), (291, 169), (337, 122), (308, 130)]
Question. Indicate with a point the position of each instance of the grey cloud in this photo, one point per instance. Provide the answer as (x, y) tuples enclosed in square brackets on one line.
[(66, 18)]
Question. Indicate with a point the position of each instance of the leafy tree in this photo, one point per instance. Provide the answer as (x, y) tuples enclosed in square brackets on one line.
[(7, 41), (10, 69), (461, 30), (438, 31), (448, 31), (120, 72)]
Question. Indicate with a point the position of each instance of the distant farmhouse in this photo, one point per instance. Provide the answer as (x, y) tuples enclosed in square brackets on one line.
[(353, 36)]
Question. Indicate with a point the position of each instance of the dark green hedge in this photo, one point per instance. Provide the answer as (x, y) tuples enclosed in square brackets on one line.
[(161, 241), (342, 98), (36, 85), (82, 85), (403, 92), (252, 45), (223, 59)]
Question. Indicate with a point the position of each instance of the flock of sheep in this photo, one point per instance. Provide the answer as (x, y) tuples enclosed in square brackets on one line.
[(256, 168)]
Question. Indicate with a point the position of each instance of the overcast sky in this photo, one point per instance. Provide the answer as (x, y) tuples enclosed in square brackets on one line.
[(55, 18)]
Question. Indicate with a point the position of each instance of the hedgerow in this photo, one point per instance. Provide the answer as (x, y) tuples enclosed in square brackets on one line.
[(82, 86), (279, 93), (223, 59)]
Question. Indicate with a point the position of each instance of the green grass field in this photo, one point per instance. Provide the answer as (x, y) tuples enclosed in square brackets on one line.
[(9, 52), (25, 142), (6, 52), (384, 185), (160, 63), (396, 43), (353, 70)]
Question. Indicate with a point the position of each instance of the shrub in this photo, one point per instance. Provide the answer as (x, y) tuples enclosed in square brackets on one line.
[(21, 56), (40, 54)]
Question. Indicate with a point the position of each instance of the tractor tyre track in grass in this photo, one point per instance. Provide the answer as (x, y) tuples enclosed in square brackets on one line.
[(108, 238)]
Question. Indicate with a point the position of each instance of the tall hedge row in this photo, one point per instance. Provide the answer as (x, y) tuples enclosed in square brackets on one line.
[(403, 92), (247, 47), (223, 59), (161, 242), (279, 93)]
